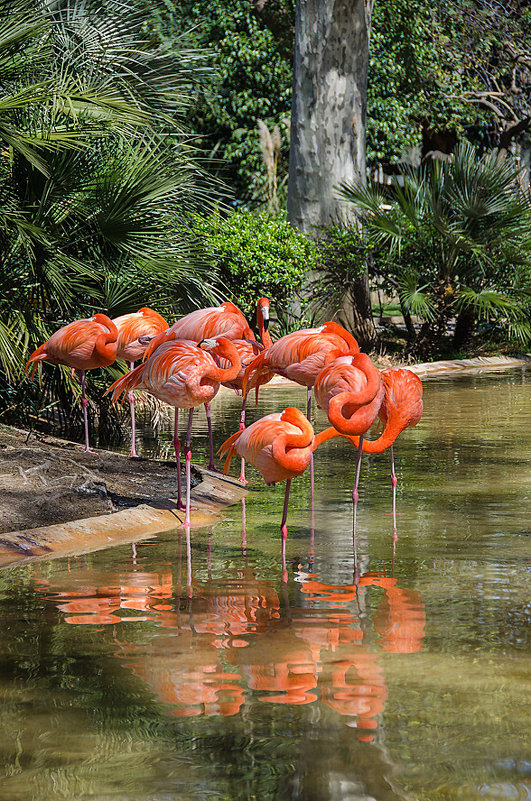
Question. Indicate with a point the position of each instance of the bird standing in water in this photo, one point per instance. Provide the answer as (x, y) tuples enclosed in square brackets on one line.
[(83, 345), (401, 408), (280, 446), (350, 390), (184, 374), (225, 320), (300, 356), (144, 322)]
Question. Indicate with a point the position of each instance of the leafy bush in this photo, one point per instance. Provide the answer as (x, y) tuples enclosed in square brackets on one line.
[(256, 255)]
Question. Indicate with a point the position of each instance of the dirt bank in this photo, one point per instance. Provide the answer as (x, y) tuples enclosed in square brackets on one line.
[(45, 480)]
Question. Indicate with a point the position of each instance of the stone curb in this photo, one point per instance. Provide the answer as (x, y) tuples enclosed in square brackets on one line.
[(76, 537)]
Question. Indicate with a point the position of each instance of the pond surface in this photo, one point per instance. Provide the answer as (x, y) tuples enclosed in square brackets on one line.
[(159, 676)]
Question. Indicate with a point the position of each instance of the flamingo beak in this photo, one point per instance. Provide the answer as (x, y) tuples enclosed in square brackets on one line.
[(265, 317)]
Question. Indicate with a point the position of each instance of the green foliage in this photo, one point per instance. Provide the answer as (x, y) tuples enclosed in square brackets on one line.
[(92, 186), (457, 239), (343, 254), (251, 54), (255, 255)]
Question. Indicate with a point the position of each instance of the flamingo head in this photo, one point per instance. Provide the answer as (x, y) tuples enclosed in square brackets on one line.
[(263, 306)]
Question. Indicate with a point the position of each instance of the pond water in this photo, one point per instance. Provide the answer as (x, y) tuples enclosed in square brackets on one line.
[(160, 676)]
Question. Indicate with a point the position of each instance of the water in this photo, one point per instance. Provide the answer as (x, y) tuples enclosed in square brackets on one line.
[(392, 678)]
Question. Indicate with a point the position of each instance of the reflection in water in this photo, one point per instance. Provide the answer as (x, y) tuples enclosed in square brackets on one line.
[(189, 670), (218, 642)]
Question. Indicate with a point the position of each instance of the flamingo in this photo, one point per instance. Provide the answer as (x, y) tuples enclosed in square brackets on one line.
[(184, 374), (280, 445), (401, 408), (144, 322), (300, 356), (248, 350), (83, 345), (224, 320), (350, 390)]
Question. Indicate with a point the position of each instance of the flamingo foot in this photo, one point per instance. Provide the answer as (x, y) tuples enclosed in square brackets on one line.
[(88, 450)]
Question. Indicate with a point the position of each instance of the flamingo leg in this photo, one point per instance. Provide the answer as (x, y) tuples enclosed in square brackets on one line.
[(133, 421), (177, 446), (355, 493), (189, 590), (82, 380), (211, 465), (188, 458), (284, 530), (394, 482), (308, 415), (242, 428)]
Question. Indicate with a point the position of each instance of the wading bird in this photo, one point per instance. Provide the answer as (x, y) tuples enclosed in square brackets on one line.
[(144, 322), (350, 390), (300, 356), (248, 351), (401, 408), (83, 345), (184, 374), (225, 320), (280, 446)]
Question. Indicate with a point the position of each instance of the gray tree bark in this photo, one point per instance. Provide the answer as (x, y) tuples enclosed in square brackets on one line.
[(327, 140)]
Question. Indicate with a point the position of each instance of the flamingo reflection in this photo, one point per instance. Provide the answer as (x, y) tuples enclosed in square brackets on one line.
[(234, 636)]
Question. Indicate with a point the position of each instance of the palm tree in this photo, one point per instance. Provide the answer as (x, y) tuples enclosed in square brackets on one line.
[(458, 234), (96, 175)]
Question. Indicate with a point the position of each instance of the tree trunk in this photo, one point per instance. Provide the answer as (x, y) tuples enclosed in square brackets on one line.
[(327, 140)]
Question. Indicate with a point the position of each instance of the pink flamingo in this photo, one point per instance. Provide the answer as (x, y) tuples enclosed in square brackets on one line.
[(280, 446), (184, 374), (225, 320), (401, 408), (350, 390), (300, 356), (144, 322), (83, 345)]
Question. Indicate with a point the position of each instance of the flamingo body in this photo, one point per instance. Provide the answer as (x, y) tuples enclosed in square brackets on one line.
[(144, 322), (184, 374), (264, 445), (301, 355), (351, 391), (83, 345), (225, 320)]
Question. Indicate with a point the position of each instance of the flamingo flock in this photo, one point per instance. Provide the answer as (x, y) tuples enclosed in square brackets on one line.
[(185, 364)]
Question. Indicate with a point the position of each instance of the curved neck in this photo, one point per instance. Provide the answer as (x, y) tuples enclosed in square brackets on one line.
[(265, 336), (226, 350), (106, 343), (334, 328), (385, 440), (293, 450)]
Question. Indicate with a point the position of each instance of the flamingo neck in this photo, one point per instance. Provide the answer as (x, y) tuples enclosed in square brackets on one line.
[(293, 450), (265, 336), (226, 350), (106, 343)]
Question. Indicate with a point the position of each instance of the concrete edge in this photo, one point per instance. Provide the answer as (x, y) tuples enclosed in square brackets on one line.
[(214, 493)]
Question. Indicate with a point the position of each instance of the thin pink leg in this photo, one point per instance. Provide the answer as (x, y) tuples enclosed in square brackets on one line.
[(242, 428), (211, 465), (394, 482), (188, 458), (355, 493), (244, 531), (189, 589), (308, 415), (177, 446), (284, 530), (133, 422), (82, 379)]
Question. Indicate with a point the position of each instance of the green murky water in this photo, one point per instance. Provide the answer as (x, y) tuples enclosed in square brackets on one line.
[(164, 678)]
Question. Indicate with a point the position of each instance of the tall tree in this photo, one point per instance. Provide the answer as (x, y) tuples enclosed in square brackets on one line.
[(328, 124)]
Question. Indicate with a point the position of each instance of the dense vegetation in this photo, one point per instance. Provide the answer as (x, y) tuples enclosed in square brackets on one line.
[(144, 157)]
